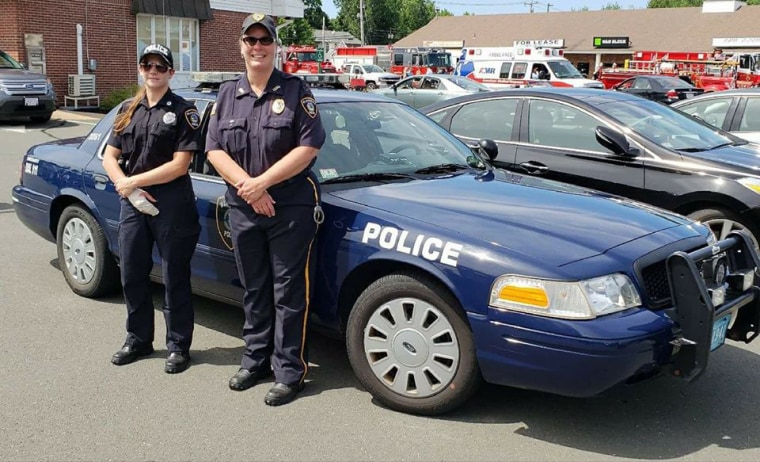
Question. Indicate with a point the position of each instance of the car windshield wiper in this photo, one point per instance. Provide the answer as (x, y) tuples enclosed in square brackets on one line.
[(693, 149), (366, 177), (442, 168)]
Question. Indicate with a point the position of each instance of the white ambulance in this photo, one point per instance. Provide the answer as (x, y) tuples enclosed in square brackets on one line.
[(505, 67)]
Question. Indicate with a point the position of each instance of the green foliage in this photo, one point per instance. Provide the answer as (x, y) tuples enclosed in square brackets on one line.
[(115, 97), (385, 21), (612, 6), (313, 14), (299, 32)]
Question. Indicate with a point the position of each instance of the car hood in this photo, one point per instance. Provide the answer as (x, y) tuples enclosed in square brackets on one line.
[(20, 74), (552, 222), (746, 157)]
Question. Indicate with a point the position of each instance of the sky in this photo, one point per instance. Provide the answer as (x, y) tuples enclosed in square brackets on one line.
[(458, 7)]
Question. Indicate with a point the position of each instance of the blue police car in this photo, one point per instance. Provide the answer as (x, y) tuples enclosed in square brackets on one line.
[(439, 270)]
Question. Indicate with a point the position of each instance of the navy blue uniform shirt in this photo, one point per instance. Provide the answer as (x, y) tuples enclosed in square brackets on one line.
[(155, 134), (258, 132)]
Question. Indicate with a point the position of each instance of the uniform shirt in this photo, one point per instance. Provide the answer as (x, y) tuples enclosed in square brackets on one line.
[(155, 133), (259, 131)]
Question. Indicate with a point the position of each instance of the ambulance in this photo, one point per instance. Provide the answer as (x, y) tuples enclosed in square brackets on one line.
[(504, 67)]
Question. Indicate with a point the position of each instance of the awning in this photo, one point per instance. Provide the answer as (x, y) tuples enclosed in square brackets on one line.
[(199, 9)]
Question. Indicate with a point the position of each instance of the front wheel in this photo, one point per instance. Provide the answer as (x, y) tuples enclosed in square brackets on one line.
[(722, 222), (371, 86), (83, 254), (410, 345)]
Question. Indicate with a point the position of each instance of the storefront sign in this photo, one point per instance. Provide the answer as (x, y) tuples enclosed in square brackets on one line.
[(546, 43), (443, 43), (611, 42), (736, 42)]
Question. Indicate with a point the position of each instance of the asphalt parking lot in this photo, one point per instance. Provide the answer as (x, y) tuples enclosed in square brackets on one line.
[(61, 399)]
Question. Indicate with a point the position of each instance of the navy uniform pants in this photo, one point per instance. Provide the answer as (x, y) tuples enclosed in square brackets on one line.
[(275, 261), (175, 232)]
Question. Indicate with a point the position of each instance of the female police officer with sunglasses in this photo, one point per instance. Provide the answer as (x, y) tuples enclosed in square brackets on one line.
[(147, 159), (263, 136)]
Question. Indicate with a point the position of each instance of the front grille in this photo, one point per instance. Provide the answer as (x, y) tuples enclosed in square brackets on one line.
[(25, 87), (655, 280)]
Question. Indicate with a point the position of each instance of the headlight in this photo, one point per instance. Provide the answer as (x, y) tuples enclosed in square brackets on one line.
[(49, 86), (559, 299), (751, 183)]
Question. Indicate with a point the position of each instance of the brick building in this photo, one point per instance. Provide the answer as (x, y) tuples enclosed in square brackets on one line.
[(202, 34)]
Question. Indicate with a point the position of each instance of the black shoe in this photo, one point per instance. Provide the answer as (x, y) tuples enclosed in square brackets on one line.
[(129, 353), (245, 379), (281, 393), (177, 362)]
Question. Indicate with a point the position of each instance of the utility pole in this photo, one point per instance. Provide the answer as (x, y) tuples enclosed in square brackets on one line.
[(361, 19), (549, 5), (531, 3)]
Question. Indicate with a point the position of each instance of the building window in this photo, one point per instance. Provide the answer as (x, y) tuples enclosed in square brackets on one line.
[(179, 34)]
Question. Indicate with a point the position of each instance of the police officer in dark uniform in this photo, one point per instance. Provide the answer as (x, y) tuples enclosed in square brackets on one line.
[(264, 134), (147, 159)]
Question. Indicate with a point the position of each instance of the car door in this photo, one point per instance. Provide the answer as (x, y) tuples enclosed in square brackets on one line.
[(430, 91), (406, 89), (746, 121), (493, 119), (558, 141)]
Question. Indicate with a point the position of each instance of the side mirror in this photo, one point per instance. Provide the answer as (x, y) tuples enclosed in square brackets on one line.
[(615, 141), (489, 147)]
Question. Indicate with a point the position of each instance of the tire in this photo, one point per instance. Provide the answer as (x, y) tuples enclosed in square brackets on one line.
[(83, 254), (409, 327), (41, 119), (721, 221), (371, 86)]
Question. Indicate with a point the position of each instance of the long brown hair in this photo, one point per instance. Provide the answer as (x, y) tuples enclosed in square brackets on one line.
[(123, 119)]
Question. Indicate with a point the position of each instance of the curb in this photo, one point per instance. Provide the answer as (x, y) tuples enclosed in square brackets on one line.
[(77, 115)]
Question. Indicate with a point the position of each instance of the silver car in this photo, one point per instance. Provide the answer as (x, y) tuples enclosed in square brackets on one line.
[(735, 111), (421, 90)]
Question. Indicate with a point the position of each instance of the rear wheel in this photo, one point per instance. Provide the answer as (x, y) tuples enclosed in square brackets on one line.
[(410, 345), (83, 255), (371, 86), (722, 222)]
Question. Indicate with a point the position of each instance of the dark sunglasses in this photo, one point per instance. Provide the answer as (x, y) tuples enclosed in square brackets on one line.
[(251, 41), (160, 68)]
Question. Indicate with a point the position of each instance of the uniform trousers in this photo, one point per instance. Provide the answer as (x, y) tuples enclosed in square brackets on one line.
[(175, 232), (275, 261)]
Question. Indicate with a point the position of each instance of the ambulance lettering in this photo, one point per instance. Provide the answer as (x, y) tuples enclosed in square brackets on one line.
[(427, 247), (487, 70)]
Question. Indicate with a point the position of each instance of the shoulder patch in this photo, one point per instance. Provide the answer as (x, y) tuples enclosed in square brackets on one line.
[(193, 118), (309, 106)]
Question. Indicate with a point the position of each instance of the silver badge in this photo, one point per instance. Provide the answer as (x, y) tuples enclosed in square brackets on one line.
[(278, 106), (170, 118)]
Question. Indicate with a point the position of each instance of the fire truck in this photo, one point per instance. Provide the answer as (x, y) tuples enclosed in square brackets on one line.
[(303, 60), (741, 70), (420, 60), (505, 67)]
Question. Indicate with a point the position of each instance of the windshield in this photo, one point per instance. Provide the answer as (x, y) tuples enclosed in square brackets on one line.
[(564, 70), (6, 62), (468, 84), (373, 68), (373, 139), (666, 126), (439, 59), (306, 56)]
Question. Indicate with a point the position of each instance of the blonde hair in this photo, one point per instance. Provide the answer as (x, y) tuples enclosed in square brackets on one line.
[(123, 119)]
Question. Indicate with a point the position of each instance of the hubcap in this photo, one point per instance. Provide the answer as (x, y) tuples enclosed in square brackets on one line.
[(722, 226), (78, 249), (411, 347)]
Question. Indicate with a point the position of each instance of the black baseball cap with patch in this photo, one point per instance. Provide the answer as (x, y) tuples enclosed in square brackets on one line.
[(160, 51), (261, 19)]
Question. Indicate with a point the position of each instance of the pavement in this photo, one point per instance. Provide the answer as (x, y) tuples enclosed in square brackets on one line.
[(77, 115)]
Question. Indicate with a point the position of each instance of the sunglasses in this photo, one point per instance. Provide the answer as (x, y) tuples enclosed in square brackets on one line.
[(251, 41), (160, 68)]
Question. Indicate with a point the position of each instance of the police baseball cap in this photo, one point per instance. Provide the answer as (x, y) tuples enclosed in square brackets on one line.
[(160, 51), (262, 19)]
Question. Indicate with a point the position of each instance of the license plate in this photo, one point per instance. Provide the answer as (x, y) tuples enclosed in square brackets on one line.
[(689, 95), (31, 101), (719, 332)]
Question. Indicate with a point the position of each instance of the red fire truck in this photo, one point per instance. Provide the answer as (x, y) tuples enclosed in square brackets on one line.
[(303, 60), (740, 70), (418, 60)]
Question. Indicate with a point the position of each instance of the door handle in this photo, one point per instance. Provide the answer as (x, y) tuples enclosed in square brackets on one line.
[(535, 168)]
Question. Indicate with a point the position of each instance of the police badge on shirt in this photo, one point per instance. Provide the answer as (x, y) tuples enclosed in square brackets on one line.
[(309, 106), (193, 118)]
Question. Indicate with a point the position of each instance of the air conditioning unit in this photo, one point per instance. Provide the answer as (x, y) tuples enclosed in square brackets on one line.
[(81, 84)]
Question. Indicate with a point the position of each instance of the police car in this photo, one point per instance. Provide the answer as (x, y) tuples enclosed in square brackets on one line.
[(440, 270)]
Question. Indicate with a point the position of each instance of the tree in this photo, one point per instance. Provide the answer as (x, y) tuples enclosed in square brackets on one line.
[(612, 6), (314, 15), (385, 21), (299, 32)]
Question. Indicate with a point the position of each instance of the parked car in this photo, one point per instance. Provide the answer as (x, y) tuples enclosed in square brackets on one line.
[(735, 111), (421, 90), (24, 93), (660, 88), (440, 270), (618, 143)]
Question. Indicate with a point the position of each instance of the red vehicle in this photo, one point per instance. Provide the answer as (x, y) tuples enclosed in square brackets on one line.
[(415, 61), (741, 70), (303, 60)]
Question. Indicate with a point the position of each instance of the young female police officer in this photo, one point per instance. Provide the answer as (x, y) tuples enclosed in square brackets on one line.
[(263, 137), (147, 159)]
